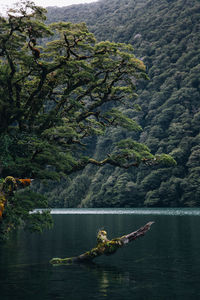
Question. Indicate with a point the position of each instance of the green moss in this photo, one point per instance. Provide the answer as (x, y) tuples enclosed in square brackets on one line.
[(102, 237), (60, 261)]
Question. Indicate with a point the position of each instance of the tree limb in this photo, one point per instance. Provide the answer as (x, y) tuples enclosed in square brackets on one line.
[(103, 247)]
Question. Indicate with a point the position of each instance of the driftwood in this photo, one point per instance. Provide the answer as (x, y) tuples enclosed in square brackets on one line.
[(103, 247)]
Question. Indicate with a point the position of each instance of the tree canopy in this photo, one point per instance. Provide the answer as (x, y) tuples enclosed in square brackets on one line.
[(165, 35), (59, 88)]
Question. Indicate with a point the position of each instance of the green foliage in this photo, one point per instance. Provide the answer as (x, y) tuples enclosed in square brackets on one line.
[(6, 142), (59, 89), (53, 103), (19, 213), (118, 118), (165, 160), (165, 35)]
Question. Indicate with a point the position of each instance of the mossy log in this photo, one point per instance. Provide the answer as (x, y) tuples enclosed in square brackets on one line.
[(103, 247)]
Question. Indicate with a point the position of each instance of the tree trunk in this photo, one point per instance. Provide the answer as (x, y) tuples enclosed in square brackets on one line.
[(104, 246)]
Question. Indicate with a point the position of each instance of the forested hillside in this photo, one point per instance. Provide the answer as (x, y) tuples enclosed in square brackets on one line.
[(166, 36)]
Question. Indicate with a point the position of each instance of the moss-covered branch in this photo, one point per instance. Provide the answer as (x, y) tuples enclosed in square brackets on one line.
[(104, 246), (7, 187), (15, 208)]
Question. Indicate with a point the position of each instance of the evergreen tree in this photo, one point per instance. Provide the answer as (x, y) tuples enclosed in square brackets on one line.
[(165, 35), (58, 89)]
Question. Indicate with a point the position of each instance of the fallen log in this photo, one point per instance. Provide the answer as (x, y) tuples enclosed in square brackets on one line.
[(103, 247)]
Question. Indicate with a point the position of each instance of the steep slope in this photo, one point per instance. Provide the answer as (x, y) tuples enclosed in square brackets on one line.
[(166, 36), (102, 17)]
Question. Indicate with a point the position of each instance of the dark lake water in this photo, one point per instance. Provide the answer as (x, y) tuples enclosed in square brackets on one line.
[(163, 265)]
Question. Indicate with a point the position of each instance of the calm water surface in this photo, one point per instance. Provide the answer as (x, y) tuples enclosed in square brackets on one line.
[(163, 265)]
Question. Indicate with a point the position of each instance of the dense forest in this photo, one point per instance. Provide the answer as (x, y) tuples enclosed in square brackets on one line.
[(165, 35), (59, 90)]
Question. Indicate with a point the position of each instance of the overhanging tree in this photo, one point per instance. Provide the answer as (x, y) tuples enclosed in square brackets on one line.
[(58, 89)]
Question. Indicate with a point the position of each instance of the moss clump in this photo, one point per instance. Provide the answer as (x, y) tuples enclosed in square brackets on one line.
[(63, 261), (102, 237)]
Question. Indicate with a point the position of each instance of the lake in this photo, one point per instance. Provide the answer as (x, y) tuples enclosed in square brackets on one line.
[(162, 265)]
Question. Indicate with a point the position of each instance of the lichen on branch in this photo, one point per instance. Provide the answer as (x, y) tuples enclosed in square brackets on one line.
[(104, 246)]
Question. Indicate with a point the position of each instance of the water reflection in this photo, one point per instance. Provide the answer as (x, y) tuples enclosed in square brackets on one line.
[(165, 264), (108, 275)]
